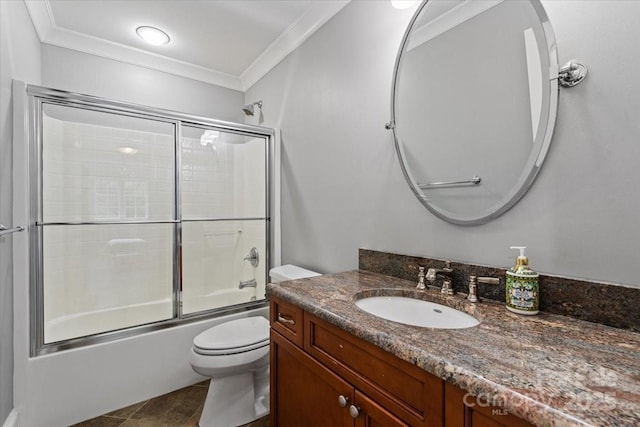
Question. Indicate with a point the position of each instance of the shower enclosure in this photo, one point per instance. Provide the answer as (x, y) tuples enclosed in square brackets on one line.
[(140, 218)]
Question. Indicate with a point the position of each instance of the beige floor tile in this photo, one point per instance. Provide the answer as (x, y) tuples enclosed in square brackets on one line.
[(195, 418), (181, 408), (204, 383), (172, 408), (128, 411)]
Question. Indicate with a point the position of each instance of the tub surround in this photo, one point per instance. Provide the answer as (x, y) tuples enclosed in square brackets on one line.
[(604, 303), (546, 369)]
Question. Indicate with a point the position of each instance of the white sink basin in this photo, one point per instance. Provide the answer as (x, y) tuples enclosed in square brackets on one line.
[(411, 311)]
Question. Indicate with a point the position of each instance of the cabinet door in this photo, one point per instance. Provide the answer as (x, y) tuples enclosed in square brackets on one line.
[(303, 392), (410, 393), (371, 414), (462, 410)]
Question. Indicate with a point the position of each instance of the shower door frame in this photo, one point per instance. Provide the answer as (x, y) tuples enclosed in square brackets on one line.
[(37, 96)]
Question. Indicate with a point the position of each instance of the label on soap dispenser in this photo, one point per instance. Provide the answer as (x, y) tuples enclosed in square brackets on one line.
[(522, 291)]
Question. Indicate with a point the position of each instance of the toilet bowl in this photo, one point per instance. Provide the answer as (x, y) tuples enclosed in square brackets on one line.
[(235, 354)]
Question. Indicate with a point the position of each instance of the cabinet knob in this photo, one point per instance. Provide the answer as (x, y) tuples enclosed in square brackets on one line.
[(342, 401), (354, 411)]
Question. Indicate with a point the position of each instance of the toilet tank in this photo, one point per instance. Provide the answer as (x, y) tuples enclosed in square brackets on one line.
[(290, 272)]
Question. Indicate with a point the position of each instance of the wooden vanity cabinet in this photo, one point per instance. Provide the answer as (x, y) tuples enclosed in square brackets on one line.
[(323, 376)]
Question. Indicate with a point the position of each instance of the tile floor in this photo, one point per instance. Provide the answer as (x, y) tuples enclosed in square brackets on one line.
[(180, 408)]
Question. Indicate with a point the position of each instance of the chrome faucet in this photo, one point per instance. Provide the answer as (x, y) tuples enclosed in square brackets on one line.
[(443, 273), (248, 284)]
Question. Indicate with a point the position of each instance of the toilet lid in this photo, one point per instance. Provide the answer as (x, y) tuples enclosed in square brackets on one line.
[(234, 336)]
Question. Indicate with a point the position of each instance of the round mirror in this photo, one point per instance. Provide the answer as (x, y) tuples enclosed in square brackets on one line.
[(474, 104)]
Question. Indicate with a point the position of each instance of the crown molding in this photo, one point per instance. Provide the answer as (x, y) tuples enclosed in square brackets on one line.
[(41, 16), (49, 33), (317, 15), (99, 47)]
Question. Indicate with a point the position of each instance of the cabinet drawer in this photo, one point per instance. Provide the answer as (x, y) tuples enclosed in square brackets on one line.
[(287, 319), (410, 393)]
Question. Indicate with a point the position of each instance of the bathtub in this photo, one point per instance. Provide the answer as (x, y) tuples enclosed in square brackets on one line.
[(108, 319), (111, 319)]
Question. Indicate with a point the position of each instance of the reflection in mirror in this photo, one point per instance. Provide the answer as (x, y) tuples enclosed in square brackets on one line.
[(474, 104)]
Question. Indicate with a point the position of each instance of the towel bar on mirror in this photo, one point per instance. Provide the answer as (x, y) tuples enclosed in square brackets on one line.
[(475, 181)]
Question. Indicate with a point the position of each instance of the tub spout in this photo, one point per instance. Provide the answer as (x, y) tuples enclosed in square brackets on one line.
[(248, 284)]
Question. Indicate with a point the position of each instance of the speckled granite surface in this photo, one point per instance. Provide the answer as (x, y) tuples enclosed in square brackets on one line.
[(597, 302), (548, 369)]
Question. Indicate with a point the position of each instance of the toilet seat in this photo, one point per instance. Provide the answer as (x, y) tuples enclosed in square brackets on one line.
[(233, 337)]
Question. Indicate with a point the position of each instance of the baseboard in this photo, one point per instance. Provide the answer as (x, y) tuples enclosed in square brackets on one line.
[(12, 419)]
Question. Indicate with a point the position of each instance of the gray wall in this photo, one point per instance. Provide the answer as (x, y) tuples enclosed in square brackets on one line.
[(93, 75), (342, 185), (19, 59)]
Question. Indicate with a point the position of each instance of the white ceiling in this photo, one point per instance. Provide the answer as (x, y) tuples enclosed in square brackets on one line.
[(230, 43)]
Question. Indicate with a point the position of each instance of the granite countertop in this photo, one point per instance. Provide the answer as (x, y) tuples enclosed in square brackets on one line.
[(547, 369)]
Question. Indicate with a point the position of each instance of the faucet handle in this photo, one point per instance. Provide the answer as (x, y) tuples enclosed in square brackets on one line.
[(473, 286), (420, 278), (473, 289)]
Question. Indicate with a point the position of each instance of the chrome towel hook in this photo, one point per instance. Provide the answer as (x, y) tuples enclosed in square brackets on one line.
[(572, 73), (4, 230)]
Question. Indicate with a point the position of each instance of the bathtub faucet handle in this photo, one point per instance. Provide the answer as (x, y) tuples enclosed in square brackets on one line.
[(253, 257)]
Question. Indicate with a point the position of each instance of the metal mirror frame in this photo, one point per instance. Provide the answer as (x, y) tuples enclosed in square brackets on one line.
[(525, 180)]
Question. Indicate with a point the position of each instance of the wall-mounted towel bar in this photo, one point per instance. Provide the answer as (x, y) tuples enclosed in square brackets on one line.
[(4, 230), (474, 181)]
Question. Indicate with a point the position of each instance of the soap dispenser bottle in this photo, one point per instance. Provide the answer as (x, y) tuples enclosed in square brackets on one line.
[(522, 286)]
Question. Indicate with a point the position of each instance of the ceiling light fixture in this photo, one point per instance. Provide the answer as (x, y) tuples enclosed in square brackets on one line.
[(152, 35), (403, 4)]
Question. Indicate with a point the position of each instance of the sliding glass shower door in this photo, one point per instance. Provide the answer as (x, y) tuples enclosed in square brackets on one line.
[(142, 218), (107, 221), (223, 210)]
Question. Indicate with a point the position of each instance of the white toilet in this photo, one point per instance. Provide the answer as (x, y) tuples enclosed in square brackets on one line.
[(235, 354)]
